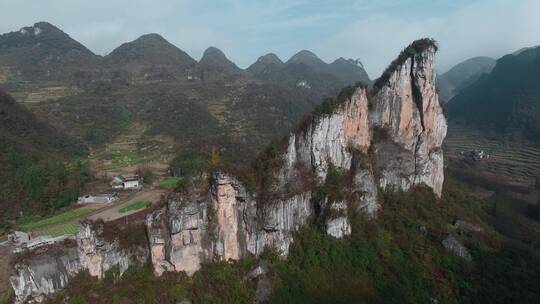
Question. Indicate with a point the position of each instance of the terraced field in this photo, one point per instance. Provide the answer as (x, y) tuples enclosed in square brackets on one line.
[(132, 149), (517, 160)]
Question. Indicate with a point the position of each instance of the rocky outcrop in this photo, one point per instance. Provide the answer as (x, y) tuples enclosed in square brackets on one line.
[(224, 223), (390, 138), (408, 115), (40, 274), (98, 255), (453, 245)]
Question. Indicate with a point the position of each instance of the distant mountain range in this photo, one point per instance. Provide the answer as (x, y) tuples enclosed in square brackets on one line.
[(505, 102), (462, 75), (205, 104), (43, 52)]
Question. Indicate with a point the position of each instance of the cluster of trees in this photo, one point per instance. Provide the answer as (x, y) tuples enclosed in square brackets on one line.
[(39, 186)]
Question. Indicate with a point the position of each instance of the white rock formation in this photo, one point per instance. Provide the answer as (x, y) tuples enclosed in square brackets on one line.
[(391, 140), (41, 274)]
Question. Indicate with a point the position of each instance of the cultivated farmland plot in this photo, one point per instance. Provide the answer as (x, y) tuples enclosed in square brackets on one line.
[(517, 160)]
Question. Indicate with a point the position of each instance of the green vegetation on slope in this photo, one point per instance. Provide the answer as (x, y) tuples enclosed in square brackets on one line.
[(60, 224), (39, 173), (30, 223), (135, 206), (506, 102), (169, 182), (396, 258)]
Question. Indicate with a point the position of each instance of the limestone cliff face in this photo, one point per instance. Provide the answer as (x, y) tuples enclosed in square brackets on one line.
[(40, 275), (225, 223), (408, 111), (98, 255), (389, 139)]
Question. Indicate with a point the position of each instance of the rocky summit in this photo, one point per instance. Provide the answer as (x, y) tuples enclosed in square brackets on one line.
[(388, 138)]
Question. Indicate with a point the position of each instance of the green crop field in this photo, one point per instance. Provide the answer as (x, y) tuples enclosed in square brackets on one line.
[(61, 218), (59, 224), (122, 158), (135, 206), (57, 230), (169, 182), (514, 159)]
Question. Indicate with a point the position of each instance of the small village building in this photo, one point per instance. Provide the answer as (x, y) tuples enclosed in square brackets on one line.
[(104, 198), (117, 182), (132, 182), (126, 183), (303, 84)]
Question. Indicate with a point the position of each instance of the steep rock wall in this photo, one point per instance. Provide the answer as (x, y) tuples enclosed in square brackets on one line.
[(225, 223), (390, 139)]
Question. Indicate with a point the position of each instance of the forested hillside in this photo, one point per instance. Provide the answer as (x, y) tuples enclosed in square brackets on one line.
[(38, 175), (505, 103)]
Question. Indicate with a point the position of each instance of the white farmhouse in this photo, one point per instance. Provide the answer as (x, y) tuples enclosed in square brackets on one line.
[(126, 183), (132, 182)]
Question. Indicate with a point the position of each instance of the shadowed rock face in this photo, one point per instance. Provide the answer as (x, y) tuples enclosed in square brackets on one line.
[(391, 140)]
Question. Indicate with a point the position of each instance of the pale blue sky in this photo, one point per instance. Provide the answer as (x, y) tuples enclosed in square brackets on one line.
[(372, 30)]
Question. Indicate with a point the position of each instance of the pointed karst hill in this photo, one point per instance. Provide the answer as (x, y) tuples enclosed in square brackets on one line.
[(306, 70), (266, 64), (350, 70), (43, 51), (462, 75), (214, 63), (150, 50), (307, 58)]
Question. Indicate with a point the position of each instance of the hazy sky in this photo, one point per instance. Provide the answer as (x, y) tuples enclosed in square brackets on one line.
[(372, 30)]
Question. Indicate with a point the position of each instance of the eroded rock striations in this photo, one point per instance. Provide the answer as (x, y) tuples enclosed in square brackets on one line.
[(329, 170), (389, 139), (42, 273)]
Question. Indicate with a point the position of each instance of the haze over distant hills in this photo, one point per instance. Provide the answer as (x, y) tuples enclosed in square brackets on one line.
[(505, 102), (44, 52), (150, 81), (462, 75)]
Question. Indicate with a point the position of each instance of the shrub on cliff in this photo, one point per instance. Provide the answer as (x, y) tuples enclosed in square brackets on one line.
[(413, 49)]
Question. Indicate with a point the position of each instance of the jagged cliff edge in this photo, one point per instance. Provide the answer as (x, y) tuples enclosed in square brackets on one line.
[(389, 138)]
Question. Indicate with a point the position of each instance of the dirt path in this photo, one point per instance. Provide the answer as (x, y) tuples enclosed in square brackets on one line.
[(151, 195)]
